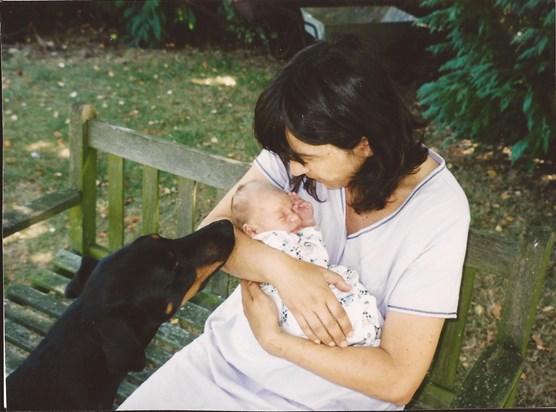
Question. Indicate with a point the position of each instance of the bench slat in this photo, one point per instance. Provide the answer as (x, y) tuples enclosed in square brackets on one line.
[(151, 200), (49, 281), (489, 382), (25, 295), (490, 254), (21, 217), (173, 336), (67, 261), (22, 337), (31, 319), (115, 202), (166, 155), (14, 357)]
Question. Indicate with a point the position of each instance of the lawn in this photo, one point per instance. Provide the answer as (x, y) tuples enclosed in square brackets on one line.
[(205, 98)]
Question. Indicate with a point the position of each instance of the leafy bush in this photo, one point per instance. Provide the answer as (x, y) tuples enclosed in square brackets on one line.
[(152, 23), (497, 83), (149, 23), (236, 27)]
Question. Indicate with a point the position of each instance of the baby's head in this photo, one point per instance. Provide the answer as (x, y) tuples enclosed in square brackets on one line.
[(258, 206)]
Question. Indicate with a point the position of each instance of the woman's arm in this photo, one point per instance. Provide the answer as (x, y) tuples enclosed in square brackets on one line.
[(392, 372), (302, 286)]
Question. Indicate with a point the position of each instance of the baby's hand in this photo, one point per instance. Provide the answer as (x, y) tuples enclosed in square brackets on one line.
[(303, 209)]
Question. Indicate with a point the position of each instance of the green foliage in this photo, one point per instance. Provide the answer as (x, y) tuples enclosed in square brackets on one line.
[(242, 32), (150, 23), (497, 82)]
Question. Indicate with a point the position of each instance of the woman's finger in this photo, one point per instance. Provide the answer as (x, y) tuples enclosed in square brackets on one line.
[(314, 329), (341, 318), (337, 281)]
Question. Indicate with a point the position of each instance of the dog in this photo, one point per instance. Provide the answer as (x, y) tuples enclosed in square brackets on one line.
[(121, 302)]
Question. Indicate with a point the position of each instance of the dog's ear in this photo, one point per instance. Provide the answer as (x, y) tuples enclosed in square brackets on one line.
[(76, 285), (120, 345)]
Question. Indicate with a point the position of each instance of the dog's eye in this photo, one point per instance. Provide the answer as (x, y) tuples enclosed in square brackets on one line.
[(173, 261)]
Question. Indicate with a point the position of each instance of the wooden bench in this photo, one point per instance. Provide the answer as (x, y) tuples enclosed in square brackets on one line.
[(30, 309)]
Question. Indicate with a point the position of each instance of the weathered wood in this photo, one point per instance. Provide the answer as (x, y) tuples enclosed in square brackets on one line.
[(173, 337), (444, 368), (32, 319), (21, 336), (151, 200), (21, 217), (490, 382), (522, 297), (14, 357), (491, 254), (187, 204), (167, 156), (66, 261), (83, 174), (49, 281), (25, 295), (432, 397), (193, 316), (115, 202)]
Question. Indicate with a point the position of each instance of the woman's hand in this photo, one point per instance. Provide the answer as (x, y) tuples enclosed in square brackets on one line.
[(304, 288), (261, 313)]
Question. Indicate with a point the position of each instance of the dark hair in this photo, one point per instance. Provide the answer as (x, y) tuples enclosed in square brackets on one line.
[(333, 92)]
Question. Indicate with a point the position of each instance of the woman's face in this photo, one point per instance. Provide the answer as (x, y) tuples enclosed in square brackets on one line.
[(328, 164)]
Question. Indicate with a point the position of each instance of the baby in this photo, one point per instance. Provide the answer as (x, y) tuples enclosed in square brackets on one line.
[(285, 222)]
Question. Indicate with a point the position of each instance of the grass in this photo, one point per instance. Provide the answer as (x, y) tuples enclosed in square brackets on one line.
[(205, 98)]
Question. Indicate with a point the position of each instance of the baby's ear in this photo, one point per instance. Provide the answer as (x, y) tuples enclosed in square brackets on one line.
[(249, 230)]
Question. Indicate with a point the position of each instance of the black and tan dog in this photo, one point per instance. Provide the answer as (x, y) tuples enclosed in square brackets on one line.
[(121, 302)]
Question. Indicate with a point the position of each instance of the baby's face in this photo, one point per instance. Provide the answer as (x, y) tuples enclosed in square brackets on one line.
[(275, 212)]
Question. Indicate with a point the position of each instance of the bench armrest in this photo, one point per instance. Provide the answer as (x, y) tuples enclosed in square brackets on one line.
[(491, 381), (22, 217)]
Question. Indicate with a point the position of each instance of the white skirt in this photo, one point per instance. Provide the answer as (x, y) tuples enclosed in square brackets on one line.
[(226, 369)]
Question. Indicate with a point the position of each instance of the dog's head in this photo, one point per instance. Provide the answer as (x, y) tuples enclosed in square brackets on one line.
[(131, 292)]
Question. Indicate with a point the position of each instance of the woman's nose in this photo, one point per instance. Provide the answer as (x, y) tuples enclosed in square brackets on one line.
[(297, 169)]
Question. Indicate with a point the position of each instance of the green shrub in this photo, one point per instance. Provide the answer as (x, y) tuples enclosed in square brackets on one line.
[(149, 23), (497, 82), (235, 26), (153, 23)]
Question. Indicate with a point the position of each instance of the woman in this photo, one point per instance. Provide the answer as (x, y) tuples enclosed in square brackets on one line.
[(335, 131)]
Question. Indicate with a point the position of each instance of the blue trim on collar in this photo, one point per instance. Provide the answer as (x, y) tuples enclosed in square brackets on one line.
[(268, 176), (434, 173)]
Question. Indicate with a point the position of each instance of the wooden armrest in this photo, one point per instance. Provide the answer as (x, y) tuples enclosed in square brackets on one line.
[(492, 379), (22, 217)]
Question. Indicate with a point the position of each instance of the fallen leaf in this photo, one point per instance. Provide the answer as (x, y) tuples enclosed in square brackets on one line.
[(539, 341), (7, 144), (491, 335), (496, 311), (492, 173)]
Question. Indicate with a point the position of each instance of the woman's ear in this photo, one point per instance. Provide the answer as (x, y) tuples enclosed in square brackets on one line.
[(364, 147), (249, 230)]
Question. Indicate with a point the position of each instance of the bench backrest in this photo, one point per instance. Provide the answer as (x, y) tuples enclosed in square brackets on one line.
[(520, 262)]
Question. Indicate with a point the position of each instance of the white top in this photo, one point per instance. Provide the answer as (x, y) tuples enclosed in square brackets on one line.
[(411, 261)]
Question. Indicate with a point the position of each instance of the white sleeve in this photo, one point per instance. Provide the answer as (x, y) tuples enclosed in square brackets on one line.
[(272, 167), (429, 286)]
